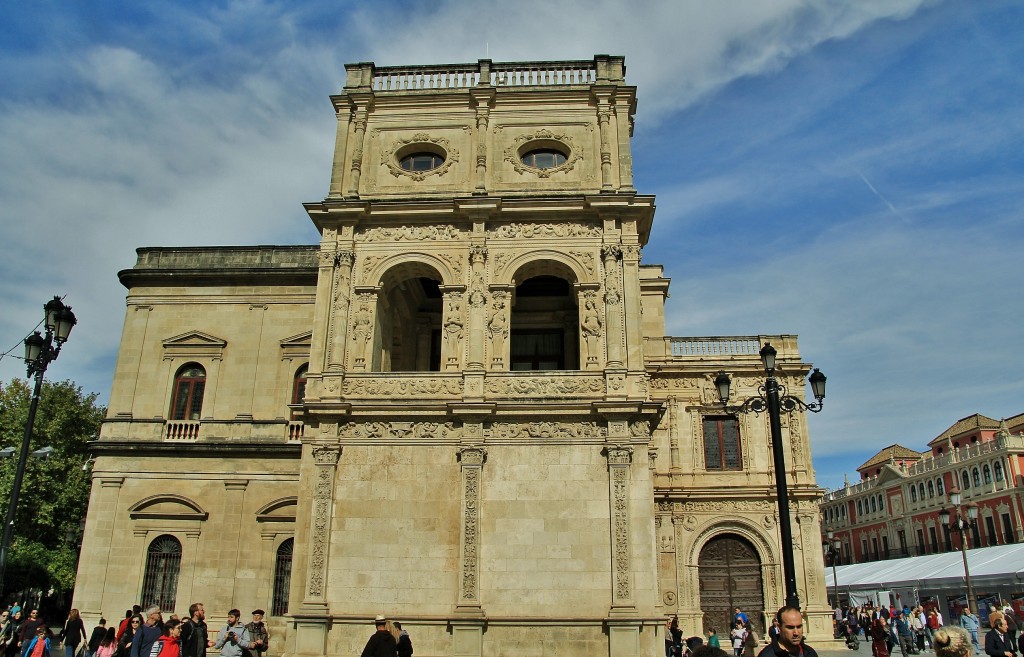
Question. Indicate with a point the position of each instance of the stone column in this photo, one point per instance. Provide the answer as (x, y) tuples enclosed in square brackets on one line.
[(604, 117), (338, 325), (359, 117), (187, 578), (611, 255), (363, 331), (468, 627), (452, 325), (484, 98), (320, 340), (477, 307), (632, 312), (497, 329)]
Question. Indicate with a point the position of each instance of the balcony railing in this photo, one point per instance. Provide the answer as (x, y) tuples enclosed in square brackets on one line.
[(184, 430)]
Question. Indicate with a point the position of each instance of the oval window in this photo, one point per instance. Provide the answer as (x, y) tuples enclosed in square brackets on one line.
[(543, 158), (421, 161)]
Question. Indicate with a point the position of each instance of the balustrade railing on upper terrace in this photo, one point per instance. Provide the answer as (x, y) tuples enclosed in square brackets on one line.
[(499, 74), (934, 463)]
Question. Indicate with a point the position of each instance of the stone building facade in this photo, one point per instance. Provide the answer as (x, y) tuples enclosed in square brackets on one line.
[(459, 410)]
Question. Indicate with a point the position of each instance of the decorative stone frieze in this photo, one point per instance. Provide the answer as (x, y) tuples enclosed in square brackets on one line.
[(537, 386), (325, 459), (410, 233), (399, 430), (619, 459), (553, 430), (403, 386), (518, 230)]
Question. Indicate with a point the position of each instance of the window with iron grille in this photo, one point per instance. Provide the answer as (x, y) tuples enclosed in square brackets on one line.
[(282, 577), (722, 443), (189, 386), (163, 562)]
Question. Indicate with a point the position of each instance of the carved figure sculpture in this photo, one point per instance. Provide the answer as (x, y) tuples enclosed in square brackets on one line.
[(591, 327), (453, 327), (497, 328)]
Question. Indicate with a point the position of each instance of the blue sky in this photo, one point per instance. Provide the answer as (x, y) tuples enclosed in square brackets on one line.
[(849, 172)]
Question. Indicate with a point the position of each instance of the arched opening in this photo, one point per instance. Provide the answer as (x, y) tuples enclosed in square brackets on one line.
[(299, 385), (189, 386), (729, 569), (163, 563), (544, 324), (282, 577), (409, 315)]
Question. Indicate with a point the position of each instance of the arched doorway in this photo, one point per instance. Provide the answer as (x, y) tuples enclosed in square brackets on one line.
[(730, 576)]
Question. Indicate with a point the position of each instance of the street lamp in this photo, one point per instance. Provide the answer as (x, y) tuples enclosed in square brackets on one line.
[(40, 351), (955, 519), (832, 547), (773, 398)]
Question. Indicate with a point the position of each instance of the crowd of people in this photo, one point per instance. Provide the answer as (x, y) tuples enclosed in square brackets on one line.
[(139, 634), (914, 630)]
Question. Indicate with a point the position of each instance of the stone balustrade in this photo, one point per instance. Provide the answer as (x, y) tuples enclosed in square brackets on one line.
[(486, 72)]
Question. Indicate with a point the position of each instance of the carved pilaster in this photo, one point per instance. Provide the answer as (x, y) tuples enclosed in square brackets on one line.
[(472, 459), (497, 329), (612, 254), (338, 330), (325, 463), (591, 330), (604, 117), (483, 99), (452, 331), (363, 319), (619, 459), (477, 306), (359, 116), (632, 313)]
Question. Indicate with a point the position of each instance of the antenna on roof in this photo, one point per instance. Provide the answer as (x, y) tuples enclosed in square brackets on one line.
[(487, 50)]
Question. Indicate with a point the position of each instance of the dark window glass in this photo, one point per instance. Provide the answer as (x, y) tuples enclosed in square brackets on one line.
[(282, 578), (922, 547), (163, 562), (976, 477), (537, 350), (189, 385), (967, 479), (299, 385), (990, 530), (940, 487), (421, 161), (544, 158), (1007, 529), (935, 539), (999, 471), (986, 473), (931, 489), (913, 493), (722, 443)]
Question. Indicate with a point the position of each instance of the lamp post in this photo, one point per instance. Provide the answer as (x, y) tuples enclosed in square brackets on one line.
[(957, 519), (832, 547), (774, 398), (40, 351)]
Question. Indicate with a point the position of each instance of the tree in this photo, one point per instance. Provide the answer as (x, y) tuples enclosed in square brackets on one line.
[(55, 492)]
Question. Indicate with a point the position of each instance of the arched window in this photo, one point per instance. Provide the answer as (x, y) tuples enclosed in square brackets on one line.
[(986, 473), (940, 487), (999, 471), (282, 577), (881, 503), (920, 491), (842, 510), (299, 385), (189, 385), (163, 562), (931, 489), (967, 479), (976, 477), (913, 493), (874, 505), (860, 509)]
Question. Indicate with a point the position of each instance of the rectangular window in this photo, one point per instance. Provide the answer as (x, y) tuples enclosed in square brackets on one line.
[(864, 549), (935, 539), (537, 350), (722, 443), (922, 547), (885, 547), (1007, 529), (874, 548), (990, 529)]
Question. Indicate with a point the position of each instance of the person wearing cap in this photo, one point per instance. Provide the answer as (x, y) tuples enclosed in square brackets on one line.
[(382, 643), (258, 633)]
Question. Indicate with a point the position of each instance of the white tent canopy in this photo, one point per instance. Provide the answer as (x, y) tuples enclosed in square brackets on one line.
[(999, 564)]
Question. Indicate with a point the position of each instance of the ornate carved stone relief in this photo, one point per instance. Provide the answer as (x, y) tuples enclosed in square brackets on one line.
[(380, 430), (574, 156), (409, 233), (404, 386), (544, 386), (509, 430), (518, 230)]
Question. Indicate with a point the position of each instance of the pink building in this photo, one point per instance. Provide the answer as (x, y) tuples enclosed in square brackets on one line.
[(893, 511)]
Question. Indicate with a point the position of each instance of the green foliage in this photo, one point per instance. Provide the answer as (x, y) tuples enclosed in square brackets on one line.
[(55, 492)]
